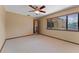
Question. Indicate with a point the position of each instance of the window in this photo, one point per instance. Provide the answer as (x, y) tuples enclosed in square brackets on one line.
[(73, 22), (57, 23), (68, 22)]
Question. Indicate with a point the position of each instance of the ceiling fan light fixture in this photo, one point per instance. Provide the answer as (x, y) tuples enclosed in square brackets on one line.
[(37, 12)]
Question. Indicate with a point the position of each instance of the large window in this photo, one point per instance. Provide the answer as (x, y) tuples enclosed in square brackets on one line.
[(68, 22), (73, 22)]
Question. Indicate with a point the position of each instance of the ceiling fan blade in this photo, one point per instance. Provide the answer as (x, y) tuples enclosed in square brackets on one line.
[(32, 6), (43, 11), (42, 7)]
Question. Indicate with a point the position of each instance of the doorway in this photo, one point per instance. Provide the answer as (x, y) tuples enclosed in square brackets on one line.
[(36, 26)]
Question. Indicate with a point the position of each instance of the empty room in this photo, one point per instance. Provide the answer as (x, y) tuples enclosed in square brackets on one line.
[(39, 28)]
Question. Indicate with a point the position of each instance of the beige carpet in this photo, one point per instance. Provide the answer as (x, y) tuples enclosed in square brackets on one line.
[(38, 43)]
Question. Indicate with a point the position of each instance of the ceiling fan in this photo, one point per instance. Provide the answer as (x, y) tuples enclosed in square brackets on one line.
[(37, 9)]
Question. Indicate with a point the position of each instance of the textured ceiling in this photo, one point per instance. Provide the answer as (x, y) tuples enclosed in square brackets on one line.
[(23, 9)]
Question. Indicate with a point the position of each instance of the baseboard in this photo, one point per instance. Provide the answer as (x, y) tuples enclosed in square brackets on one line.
[(60, 39), (19, 37), (2, 46)]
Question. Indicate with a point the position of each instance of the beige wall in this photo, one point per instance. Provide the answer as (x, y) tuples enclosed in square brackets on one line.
[(66, 35), (2, 25), (18, 25)]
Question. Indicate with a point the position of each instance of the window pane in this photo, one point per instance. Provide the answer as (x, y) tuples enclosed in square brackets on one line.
[(62, 22), (73, 22), (50, 24), (55, 22)]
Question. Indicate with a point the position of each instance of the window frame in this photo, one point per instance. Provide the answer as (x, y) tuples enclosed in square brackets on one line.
[(67, 23)]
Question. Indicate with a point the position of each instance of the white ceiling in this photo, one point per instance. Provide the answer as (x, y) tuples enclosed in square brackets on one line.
[(23, 9)]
